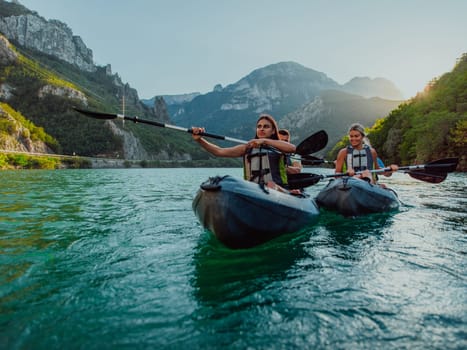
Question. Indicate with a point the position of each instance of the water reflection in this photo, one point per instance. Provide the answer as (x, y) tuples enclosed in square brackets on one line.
[(345, 231), (223, 274)]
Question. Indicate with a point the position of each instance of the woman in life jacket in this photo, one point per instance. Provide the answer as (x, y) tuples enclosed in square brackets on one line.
[(359, 156), (262, 164)]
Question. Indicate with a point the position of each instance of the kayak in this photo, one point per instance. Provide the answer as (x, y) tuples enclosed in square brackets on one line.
[(242, 214), (353, 197)]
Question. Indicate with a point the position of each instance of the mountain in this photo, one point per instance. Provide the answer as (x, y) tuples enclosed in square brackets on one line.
[(378, 87), (45, 70), (334, 111), (172, 99), (38, 87), (19, 135), (430, 126), (276, 89), (29, 30), (282, 89)]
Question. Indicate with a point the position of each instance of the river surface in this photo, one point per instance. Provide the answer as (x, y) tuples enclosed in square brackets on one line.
[(116, 259)]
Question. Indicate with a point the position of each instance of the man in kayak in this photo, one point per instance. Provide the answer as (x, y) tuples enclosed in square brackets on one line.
[(262, 164), (293, 165), (359, 156)]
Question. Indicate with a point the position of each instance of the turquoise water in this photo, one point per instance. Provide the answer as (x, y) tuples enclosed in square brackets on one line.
[(106, 259)]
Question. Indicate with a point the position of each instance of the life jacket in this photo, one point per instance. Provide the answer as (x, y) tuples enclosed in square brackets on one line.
[(262, 165), (360, 160)]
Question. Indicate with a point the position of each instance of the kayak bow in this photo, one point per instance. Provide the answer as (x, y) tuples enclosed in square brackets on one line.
[(241, 214), (354, 197)]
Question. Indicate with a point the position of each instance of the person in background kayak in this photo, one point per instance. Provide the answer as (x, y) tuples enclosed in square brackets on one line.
[(261, 164), (359, 156), (293, 166)]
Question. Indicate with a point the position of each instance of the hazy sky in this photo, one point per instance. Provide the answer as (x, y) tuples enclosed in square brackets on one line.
[(179, 46)]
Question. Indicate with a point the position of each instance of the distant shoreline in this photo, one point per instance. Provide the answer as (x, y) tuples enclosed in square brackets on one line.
[(17, 160)]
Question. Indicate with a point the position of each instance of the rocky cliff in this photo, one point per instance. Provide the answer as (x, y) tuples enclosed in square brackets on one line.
[(50, 53), (19, 137), (294, 95), (334, 111), (50, 37)]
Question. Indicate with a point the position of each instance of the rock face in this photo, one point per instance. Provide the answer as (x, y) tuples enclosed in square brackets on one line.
[(19, 137), (280, 89), (62, 91), (160, 109), (7, 55), (276, 89), (334, 111), (51, 37), (131, 145)]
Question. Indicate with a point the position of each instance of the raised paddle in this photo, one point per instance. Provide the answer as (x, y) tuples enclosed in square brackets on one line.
[(311, 144), (308, 159), (109, 116), (433, 172)]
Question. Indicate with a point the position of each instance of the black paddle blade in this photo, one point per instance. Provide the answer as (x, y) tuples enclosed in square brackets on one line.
[(96, 115), (313, 143), (445, 165), (432, 177), (302, 180), (308, 159), (312, 162)]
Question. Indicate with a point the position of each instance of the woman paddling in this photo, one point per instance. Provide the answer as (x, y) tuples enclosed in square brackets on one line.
[(262, 164), (359, 156)]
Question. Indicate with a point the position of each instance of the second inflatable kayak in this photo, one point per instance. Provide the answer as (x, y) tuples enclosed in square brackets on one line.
[(353, 197)]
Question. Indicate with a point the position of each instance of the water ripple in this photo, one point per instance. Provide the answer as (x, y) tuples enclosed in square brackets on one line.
[(116, 259)]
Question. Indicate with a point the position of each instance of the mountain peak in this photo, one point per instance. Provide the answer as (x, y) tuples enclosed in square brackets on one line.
[(376, 87), (289, 70), (52, 37)]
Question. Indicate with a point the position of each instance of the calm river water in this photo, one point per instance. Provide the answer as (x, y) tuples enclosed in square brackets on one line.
[(115, 259)]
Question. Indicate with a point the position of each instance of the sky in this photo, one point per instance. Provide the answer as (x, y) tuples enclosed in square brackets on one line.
[(166, 47)]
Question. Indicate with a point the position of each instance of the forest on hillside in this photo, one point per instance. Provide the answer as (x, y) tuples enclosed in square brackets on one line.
[(430, 126)]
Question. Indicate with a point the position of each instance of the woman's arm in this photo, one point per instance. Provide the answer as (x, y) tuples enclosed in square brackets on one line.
[(393, 167), (235, 151), (340, 162), (283, 146)]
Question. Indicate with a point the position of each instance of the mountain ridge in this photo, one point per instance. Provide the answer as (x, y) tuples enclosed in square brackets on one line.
[(278, 89), (301, 98)]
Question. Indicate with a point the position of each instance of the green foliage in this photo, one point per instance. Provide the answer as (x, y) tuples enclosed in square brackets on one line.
[(7, 126), (4, 163), (26, 161), (72, 132), (76, 163), (34, 132), (23, 161), (430, 126)]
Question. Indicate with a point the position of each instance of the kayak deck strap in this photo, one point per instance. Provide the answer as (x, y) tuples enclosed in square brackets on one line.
[(213, 183)]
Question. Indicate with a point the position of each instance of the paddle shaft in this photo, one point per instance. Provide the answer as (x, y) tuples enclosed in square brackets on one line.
[(179, 128), (311, 144), (433, 172)]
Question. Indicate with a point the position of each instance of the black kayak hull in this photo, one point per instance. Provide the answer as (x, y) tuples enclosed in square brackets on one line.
[(242, 215), (354, 197)]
